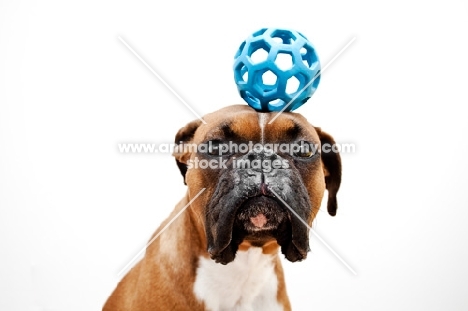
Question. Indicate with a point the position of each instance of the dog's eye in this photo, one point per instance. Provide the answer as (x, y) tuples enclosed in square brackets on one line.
[(213, 148), (217, 148), (303, 149)]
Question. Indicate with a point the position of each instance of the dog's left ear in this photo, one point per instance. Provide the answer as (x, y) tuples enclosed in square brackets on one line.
[(331, 162), (184, 136)]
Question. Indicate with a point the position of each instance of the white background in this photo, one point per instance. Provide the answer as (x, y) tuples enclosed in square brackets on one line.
[(73, 211)]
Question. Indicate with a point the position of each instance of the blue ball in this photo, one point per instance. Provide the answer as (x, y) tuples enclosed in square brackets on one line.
[(276, 68)]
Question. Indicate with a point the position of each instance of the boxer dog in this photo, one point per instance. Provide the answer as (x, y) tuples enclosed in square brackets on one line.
[(223, 251)]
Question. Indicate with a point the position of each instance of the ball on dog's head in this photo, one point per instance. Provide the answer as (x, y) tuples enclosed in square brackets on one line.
[(276, 69)]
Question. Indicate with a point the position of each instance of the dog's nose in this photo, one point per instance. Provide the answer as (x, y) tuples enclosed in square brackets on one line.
[(253, 156)]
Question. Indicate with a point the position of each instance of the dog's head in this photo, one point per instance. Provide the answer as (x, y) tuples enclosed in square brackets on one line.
[(264, 181)]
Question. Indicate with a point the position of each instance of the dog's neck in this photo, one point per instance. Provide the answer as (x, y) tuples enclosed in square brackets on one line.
[(250, 282)]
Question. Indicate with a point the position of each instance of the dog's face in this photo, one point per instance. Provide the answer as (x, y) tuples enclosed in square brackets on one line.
[(259, 179)]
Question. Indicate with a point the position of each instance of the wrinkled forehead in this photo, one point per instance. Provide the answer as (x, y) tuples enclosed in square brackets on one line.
[(249, 125)]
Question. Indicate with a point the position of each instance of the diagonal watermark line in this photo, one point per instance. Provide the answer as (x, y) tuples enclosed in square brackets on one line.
[(313, 79), (315, 233), (161, 79), (160, 232)]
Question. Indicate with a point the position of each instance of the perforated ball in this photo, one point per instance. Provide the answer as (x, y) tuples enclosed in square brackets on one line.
[(276, 68)]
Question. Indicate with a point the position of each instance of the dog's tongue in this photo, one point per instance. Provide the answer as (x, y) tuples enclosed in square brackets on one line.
[(258, 221)]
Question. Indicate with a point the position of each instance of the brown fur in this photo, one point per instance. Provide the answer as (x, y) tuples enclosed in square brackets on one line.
[(164, 278)]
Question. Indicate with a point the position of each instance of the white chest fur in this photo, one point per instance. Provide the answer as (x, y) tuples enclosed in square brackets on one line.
[(249, 283)]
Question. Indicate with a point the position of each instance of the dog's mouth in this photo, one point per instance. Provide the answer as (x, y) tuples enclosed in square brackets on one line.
[(259, 218)]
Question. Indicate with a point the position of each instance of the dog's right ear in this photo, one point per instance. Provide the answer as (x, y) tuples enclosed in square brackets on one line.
[(331, 161), (181, 153)]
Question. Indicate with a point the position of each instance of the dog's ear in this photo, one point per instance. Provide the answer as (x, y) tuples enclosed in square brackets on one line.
[(331, 161), (182, 151)]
